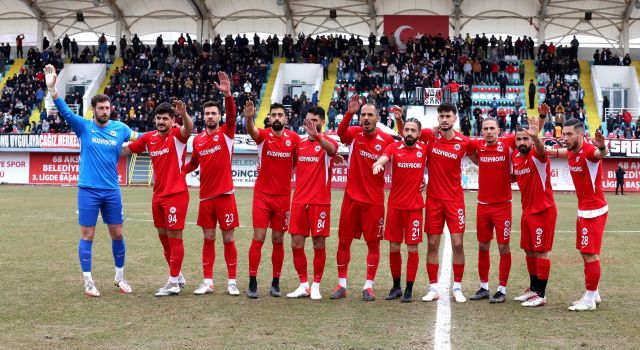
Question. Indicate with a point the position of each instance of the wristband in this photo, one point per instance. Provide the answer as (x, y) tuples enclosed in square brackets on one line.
[(603, 148)]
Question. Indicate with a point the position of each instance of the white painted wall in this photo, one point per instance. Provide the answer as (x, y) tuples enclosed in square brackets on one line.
[(89, 75), (604, 77), (310, 74)]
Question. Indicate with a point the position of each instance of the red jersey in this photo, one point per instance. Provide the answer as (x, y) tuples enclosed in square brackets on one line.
[(586, 172), (167, 153), (313, 172), (364, 150), (407, 174), (275, 159), (213, 152), (533, 174), (494, 163), (445, 164)]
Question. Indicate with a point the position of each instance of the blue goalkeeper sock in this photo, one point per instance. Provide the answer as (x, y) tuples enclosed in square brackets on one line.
[(118, 250), (85, 255)]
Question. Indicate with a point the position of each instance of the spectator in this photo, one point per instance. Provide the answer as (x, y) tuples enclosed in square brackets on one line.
[(19, 40), (532, 94), (605, 106), (620, 180)]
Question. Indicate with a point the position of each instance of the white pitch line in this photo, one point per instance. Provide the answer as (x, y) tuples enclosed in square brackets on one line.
[(442, 339)]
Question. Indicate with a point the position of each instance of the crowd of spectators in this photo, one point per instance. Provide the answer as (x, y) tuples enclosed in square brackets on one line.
[(606, 58)]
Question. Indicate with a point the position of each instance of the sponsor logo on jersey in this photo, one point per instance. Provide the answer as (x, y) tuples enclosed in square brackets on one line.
[(577, 159), (456, 147), (575, 169), (522, 172), (407, 165), (288, 143), (113, 133), (159, 153), (497, 159), (419, 154), (208, 151), (279, 154), (216, 138), (369, 155), (500, 149), (443, 153), (378, 148), (308, 159), (317, 149), (103, 141)]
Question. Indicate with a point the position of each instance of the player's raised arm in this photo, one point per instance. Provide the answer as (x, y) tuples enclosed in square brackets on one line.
[(250, 113), (343, 127), (398, 112), (601, 145), (75, 121), (534, 132), (313, 133), (187, 123), (543, 112), (224, 86)]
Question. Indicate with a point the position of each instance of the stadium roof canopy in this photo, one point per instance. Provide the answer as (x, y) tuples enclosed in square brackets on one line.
[(613, 21)]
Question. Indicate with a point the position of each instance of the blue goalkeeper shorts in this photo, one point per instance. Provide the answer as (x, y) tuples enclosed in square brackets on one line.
[(92, 201)]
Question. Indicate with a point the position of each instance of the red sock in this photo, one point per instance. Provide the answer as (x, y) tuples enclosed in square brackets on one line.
[(164, 239), (343, 256), (300, 263), (412, 266), (592, 275), (531, 266), (319, 259), (373, 259), (277, 258), (177, 255), (432, 272), (505, 267), (208, 257), (484, 264), (231, 258), (395, 263), (458, 271), (543, 266), (255, 253)]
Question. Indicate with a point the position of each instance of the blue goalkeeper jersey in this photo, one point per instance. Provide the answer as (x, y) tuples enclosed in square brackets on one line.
[(100, 148)]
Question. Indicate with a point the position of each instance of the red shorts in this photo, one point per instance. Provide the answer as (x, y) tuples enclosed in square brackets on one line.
[(170, 212), (314, 218), (221, 209), (538, 229), (360, 218), (438, 212), (589, 234), (403, 225), (494, 215), (271, 211)]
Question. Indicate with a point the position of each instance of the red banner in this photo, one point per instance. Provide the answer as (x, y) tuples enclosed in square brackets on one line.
[(62, 168), (405, 27), (631, 178)]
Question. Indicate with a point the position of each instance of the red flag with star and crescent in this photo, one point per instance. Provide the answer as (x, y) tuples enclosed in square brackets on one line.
[(405, 27)]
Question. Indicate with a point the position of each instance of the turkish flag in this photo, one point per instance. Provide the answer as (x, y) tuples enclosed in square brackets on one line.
[(405, 27)]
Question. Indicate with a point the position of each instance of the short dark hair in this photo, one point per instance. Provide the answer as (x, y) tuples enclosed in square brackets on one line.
[(99, 98), (276, 105), (165, 108), (414, 120), (447, 107), (521, 129), (491, 119), (577, 124), (317, 110), (213, 104)]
